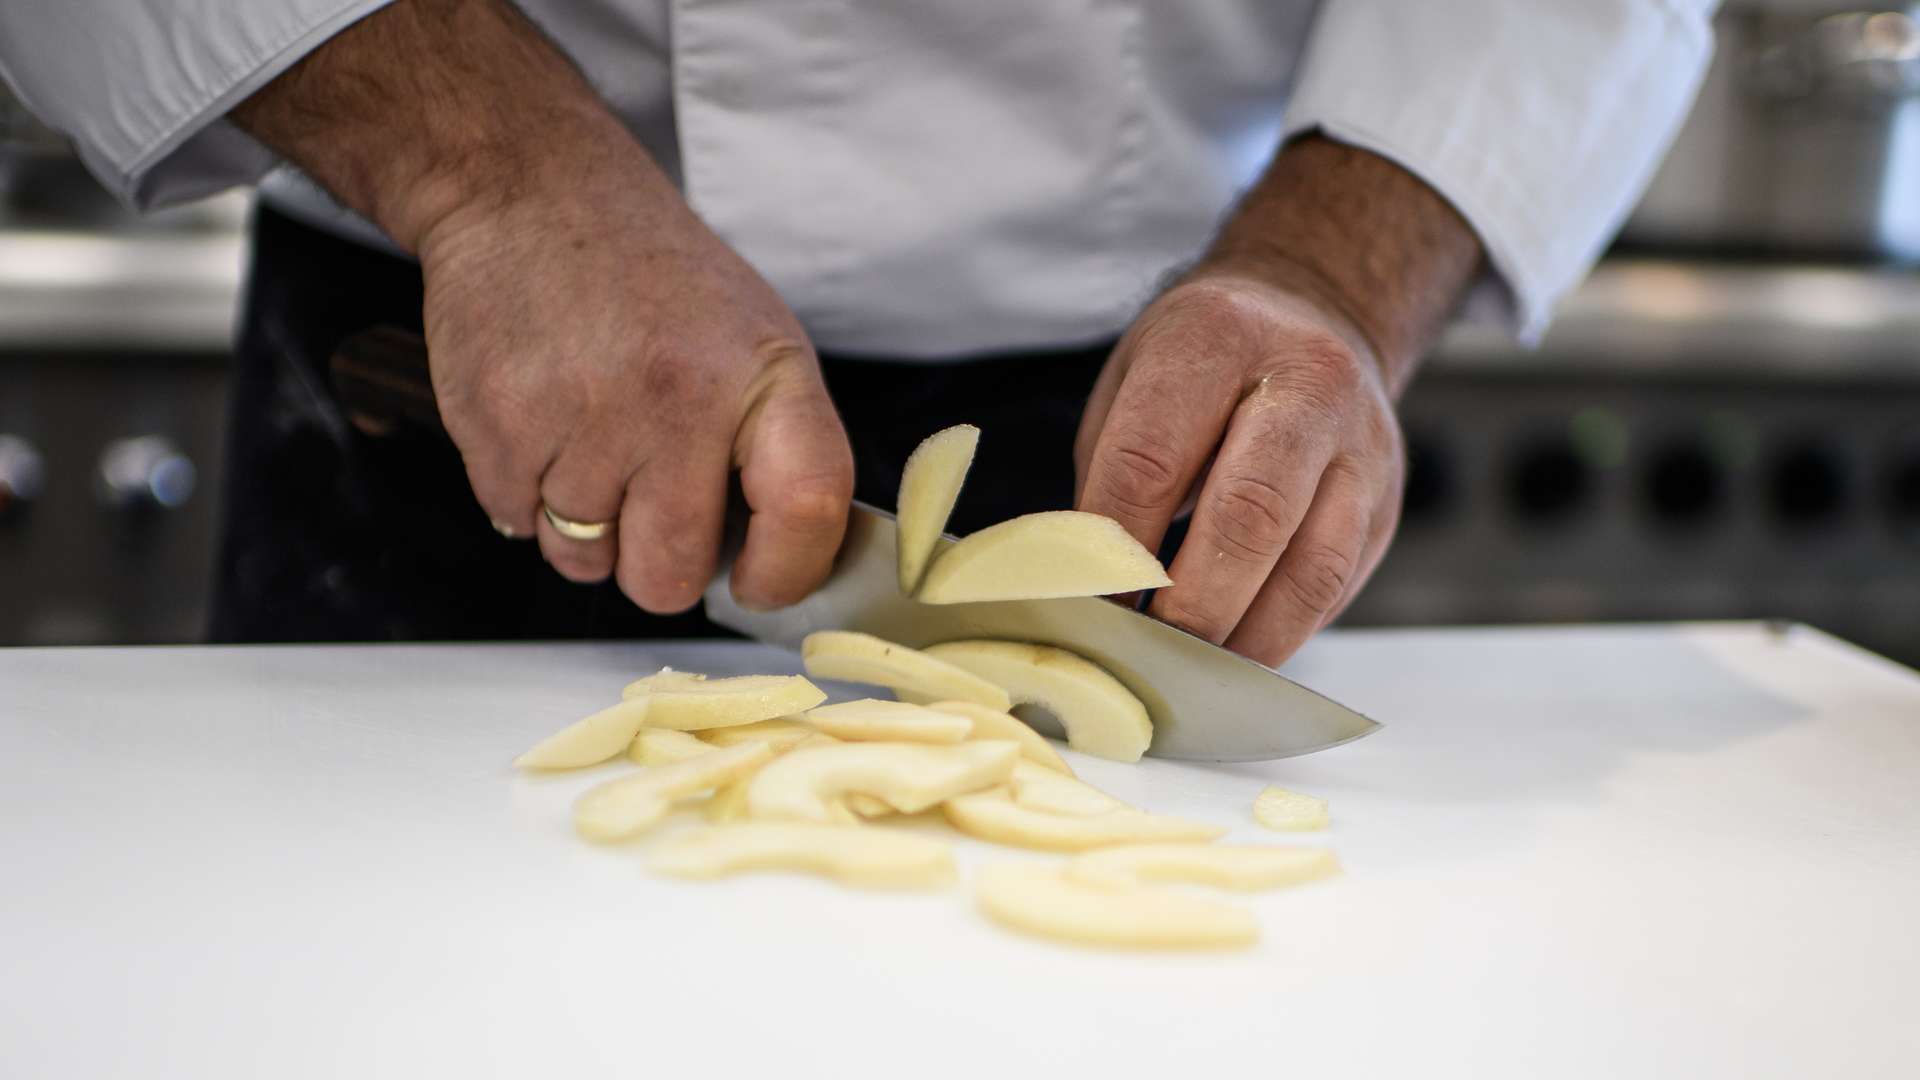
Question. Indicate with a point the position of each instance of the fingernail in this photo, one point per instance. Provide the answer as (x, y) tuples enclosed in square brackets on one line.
[(504, 529)]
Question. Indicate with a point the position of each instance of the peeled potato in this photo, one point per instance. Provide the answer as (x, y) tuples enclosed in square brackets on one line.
[(1243, 868), (684, 701), (1289, 811), (664, 746), (880, 858), (864, 805), (588, 741), (993, 815), (1101, 717), (869, 720), (863, 658), (809, 782), (782, 733), (729, 803), (929, 485), (997, 724), (1038, 788), (1046, 902), (626, 807), (1040, 556)]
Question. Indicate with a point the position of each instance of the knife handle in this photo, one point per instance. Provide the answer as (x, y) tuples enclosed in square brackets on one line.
[(382, 379)]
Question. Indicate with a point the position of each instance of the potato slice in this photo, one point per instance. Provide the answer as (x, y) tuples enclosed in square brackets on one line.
[(728, 804), (877, 858), (626, 807), (685, 701), (782, 733), (993, 815), (863, 658), (664, 746), (868, 806), (808, 782), (869, 720), (1040, 556), (997, 724), (1101, 717), (1247, 869), (588, 741), (1037, 788), (929, 486), (1045, 902), (1289, 811)]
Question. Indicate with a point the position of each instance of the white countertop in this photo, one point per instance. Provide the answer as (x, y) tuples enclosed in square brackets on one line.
[(1681, 851)]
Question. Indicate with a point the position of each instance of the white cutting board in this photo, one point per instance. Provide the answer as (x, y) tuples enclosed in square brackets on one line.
[(1688, 852)]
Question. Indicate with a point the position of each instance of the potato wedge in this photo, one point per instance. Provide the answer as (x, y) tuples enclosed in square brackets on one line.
[(1046, 902), (1041, 556), (996, 724), (809, 782), (588, 741), (1246, 869), (1042, 789), (685, 701), (1101, 716), (993, 815), (1289, 811), (871, 720), (929, 485), (664, 746), (863, 658), (728, 804), (782, 733), (867, 806), (876, 858), (627, 807)]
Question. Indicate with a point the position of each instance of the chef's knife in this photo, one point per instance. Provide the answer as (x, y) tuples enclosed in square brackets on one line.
[(1206, 703)]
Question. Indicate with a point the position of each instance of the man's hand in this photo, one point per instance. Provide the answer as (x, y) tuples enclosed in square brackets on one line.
[(1261, 387), (594, 347)]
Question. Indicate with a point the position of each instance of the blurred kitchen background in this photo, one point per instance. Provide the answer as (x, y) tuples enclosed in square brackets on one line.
[(1723, 423)]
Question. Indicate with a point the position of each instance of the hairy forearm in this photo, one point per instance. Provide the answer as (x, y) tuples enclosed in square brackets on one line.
[(1360, 234), (427, 107)]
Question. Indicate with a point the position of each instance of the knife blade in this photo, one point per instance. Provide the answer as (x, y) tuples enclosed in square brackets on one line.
[(1206, 703)]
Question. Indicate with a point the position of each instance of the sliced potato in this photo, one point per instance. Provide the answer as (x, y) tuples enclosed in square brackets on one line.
[(1046, 902), (664, 746), (993, 815), (1244, 868), (864, 805), (1101, 716), (1038, 788), (729, 803), (809, 782), (1289, 811), (878, 858), (685, 701), (626, 807), (929, 485), (996, 724), (1040, 556), (588, 741), (782, 733), (863, 658), (869, 720)]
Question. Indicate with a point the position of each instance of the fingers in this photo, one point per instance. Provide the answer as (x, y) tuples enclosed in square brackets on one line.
[(1254, 499), (796, 470), (1148, 447), (1319, 569), (670, 525), (584, 485)]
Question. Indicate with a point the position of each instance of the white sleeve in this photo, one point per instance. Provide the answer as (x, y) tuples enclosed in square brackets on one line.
[(142, 86), (1539, 120)]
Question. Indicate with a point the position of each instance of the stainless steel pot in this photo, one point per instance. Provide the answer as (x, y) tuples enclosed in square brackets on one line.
[(1805, 140)]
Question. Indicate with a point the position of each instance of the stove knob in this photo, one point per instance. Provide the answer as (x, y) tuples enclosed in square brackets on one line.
[(22, 474), (144, 474), (1548, 481), (1808, 486), (1903, 495), (1685, 484)]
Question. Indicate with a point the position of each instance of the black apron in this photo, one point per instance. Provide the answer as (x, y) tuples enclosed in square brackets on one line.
[(331, 535)]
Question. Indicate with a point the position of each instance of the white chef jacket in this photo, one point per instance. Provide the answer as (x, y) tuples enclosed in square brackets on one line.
[(928, 178)]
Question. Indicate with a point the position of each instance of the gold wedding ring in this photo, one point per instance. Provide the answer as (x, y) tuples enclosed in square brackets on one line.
[(575, 530)]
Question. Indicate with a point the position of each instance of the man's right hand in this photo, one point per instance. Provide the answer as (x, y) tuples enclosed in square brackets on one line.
[(594, 346)]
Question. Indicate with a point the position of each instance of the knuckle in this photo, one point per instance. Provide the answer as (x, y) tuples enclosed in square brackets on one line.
[(1252, 517), (815, 503), (1194, 619), (1139, 474), (1318, 578)]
